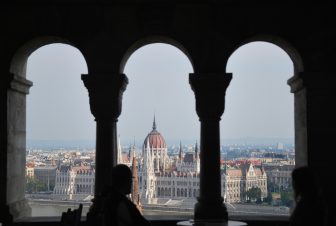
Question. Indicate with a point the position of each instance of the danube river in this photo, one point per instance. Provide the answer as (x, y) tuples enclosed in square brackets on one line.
[(48, 208), (45, 208)]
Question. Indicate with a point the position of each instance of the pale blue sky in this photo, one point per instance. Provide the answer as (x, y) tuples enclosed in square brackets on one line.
[(258, 101)]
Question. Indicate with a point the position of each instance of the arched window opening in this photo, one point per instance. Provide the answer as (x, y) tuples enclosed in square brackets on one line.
[(258, 128), (159, 121), (60, 132)]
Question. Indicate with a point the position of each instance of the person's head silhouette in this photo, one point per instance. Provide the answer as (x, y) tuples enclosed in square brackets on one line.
[(122, 179)]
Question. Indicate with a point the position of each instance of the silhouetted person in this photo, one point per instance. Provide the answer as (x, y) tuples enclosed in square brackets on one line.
[(118, 210), (309, 208)]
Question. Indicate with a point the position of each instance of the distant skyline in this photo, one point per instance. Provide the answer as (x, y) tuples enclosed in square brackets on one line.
[(258, 101), (90, 144)]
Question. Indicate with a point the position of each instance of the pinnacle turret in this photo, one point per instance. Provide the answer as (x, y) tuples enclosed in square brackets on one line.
[(154, 124)]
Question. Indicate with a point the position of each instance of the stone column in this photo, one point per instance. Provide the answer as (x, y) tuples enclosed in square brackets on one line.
[(209, 92), (300, 120), (105, 93), (17, 89), (315, 125)]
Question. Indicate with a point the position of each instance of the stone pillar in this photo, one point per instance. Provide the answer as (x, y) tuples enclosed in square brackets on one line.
[(209, 92), (105, 93), (17, 89), (315, 125), (300, 120)]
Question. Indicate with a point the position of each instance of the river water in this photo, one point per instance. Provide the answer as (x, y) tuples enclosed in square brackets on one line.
[(49, 208), (44, 208)]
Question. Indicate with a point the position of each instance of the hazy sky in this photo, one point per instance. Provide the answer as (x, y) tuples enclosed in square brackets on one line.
[(258, 101)]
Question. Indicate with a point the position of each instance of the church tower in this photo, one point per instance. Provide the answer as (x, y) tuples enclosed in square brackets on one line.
[(180, 154), (135, 185), (119, 157), (197, 163), (147, 175)]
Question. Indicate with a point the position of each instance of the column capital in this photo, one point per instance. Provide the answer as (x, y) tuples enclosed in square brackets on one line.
[(295, 83), (209, 90), (105, 93), (19, 84), (313, 81)]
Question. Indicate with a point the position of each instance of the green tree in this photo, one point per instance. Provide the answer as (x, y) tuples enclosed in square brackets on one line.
[(271, 186), (287, 198), (259, 201), (33, 185), (269, 198), (253, 193)]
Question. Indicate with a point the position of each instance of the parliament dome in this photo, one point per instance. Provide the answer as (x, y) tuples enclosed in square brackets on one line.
[(155, 139)]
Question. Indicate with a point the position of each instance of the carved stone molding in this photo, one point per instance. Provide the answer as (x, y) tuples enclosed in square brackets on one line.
[(209, 90), (295, 83), (105, 93), (19, 84)]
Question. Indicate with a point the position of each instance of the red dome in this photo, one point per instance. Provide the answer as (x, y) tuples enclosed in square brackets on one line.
[(155, 140)]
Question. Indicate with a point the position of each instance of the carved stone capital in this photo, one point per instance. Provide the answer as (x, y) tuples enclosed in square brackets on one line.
[(105, 93), (295, 83), (19, 84), (20, 209), (209, 90)]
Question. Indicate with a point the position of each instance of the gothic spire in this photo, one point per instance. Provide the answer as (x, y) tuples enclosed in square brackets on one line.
[(196, 150), (135, 195), (135, 184), (180, 154), (154, 123), (119, 153), (225, 167), (130, 152)]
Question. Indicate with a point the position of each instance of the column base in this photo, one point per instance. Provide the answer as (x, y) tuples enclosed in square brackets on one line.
[(208, 223), (215, 212), (20, 209)]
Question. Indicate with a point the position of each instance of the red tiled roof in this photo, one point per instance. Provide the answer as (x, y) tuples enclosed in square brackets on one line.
[(30, 165), (257, 171), (234, 172)]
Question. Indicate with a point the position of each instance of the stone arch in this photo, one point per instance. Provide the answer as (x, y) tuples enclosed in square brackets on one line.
[(152, 40), (297, 88), (159, 162), (18, 64), (291, 51), (16, 110)]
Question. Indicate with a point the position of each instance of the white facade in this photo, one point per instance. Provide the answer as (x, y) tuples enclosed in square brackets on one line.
[(180, 184), (74, 182), (237, 180)]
